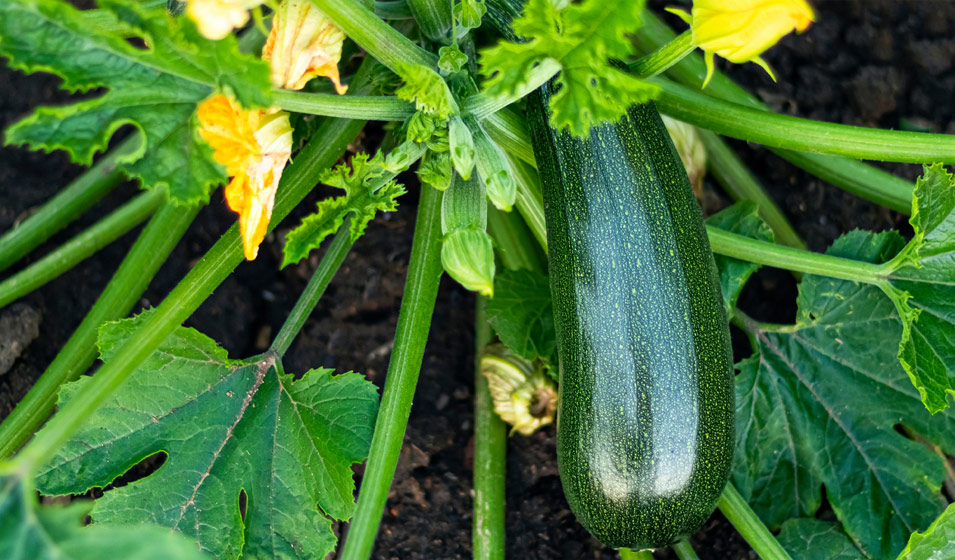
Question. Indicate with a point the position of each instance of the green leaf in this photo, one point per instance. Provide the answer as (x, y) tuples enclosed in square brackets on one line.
[(936, 542), (435, 170), (583, 38), (32, 532), (369, 187), (812, 539), (923, 289), (156, 89), (522, 314), (741, 219), (818, 405), (428, 90), (227, 427)]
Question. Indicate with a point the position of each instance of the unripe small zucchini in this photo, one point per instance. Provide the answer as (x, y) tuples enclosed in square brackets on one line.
[(645, 420)]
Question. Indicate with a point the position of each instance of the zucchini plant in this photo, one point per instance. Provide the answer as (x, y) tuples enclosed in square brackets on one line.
[(549, 187)]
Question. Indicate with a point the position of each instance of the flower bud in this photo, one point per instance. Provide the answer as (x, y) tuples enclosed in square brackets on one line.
[(468, 256)]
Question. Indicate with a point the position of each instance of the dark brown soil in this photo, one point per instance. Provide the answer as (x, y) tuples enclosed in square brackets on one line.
[(864, 62)]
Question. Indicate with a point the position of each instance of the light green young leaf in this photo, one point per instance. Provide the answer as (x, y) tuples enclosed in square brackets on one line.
[(227, 427), (428, 90), (435, 170), (742, 219), (32, 532), (156, 88), (812, 539), (522, 314), (936, 542), (818, 405), (923, 289), (369, 188), (582, 38)]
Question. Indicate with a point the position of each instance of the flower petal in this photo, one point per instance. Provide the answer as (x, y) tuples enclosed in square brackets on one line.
[(304, 43)]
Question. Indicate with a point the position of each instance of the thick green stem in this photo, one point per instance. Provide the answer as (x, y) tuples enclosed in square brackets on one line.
[(627, 554), (321, 278), (664, 57), (322, 150), (854, 176), (83, 245), (393, 9), (507, 130), (515, 241), (382, 41), (794, 133), (142, 262), (481, 105), (779, 256), (69, 203), (738, 512), (433, 17), (490, 459), (367, 107), (414, 322), (684, 551), (733, 175)]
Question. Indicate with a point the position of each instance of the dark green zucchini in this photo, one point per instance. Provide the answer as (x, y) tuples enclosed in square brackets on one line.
[(645, 421)]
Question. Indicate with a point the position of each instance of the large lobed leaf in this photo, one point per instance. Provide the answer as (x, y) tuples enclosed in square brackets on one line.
[(227, 428), (522, 314), (818, 404), (582, 38), (936, 543), (742, 219), (155, 88), (32, 532), (812, 539), (924, 290)]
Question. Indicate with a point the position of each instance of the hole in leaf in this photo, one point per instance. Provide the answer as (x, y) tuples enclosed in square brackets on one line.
[(243, 503), (139, 471)]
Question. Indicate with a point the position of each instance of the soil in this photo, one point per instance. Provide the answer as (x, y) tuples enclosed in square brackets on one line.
[(863, 62)]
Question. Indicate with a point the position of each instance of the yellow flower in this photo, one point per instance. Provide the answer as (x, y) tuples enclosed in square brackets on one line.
[(304, 43), (217, 18), (254, 147), (741, 30)]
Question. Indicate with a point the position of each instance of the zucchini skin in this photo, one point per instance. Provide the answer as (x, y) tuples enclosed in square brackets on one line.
[(645, 419)]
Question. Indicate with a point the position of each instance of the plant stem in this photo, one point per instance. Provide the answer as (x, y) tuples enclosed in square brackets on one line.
[(664, 57), (854, 176), (83, 245), (490, 455), (414, 321), (515, 242), (627, 554), (157, 240), (382, 41), (433, 17), (482, 105), (733, 175), (367, 107), (507, 130), (70, 202), (321, 278), (322, 150), (779, 256), (794, 133), (684, 551), (738, 512), (393, 9)]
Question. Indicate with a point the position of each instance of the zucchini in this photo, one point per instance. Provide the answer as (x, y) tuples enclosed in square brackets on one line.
[(645, 420)]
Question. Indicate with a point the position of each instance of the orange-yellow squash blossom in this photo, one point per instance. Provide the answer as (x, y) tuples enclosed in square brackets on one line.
[(741, 30), (254, 147), (217, 18), (304, 43)]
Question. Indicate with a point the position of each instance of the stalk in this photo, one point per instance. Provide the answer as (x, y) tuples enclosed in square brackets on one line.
[(414, 321), (738, 512), (490, 449), (508, 130), (393, 9), (481, 105), (383, 42), (321, 278), (664, 57), (737, 180), (325, 147), (794, 133), (366, 107), (433, 17), (853, 176), (83, 192), (684, 551), (627, 554), (157, 240), (83, 245), (515, 241)]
